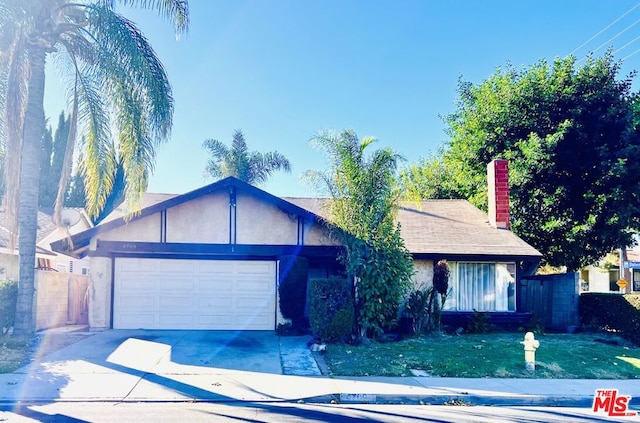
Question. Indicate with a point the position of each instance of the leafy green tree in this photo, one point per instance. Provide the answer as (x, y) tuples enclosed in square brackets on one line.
[(429, 178), (569, 134), (115, 81), (364, 205), (249, 166)]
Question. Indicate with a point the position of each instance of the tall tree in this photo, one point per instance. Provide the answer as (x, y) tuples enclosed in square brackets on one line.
[(115, 81), (46, 150), (75, 196), (249, 166), (569, 134), (51, 161), (364, 206), (428, 178)]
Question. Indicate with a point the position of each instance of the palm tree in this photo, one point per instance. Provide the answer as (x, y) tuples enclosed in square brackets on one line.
[(115, 80), (249, 166), (363, 205)]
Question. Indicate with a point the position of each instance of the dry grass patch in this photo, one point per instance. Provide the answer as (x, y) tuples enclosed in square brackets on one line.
[(14, 351)]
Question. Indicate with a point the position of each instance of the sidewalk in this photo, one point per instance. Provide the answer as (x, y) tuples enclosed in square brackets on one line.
[(52, 379)]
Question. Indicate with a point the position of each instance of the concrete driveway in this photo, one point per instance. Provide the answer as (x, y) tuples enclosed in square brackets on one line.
[(160, 365), (169, 351)]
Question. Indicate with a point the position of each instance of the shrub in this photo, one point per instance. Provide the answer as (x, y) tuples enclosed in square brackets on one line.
[(331, 311), (8, 298), (612, 311), (417, 307), (292, 289), (479, 322)]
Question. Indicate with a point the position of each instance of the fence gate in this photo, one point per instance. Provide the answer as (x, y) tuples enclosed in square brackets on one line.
[(78, 312), (535, 298), (551, 299)]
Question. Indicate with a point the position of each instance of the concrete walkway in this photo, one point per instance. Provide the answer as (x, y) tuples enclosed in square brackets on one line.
[(158, 366)]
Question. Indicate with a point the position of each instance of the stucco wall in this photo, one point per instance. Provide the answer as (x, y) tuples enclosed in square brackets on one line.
[(423, 274), (318, 234), (59, 298), (202, 220), (262, 223), (146, 229), (9, 266), (100, 293), (598, 279)]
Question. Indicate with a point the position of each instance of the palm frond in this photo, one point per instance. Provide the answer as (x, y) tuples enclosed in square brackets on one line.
[(127, 62), (176, 11), (219, 154), (93, 118), (261, 166), (136, 149)]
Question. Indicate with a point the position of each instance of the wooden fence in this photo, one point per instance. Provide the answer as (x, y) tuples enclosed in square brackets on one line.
[(551, 299)]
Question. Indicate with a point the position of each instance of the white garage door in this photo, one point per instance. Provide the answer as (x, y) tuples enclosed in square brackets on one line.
[(194, 294)]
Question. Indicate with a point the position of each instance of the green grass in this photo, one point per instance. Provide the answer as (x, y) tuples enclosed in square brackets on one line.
[(14, 352), (570, 356)]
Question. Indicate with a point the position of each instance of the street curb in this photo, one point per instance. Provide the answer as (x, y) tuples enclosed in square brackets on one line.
[(459, 400), (385, 399)]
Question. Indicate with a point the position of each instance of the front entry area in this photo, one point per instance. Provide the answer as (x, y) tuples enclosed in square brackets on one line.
[(154, 293)]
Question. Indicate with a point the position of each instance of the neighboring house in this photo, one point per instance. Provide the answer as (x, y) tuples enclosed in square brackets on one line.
[(209, 259), (45, 258), (604, 279), (632, 270)]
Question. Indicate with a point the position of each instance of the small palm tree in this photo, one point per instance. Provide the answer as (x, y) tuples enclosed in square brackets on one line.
[(249, 166), (115, 81)]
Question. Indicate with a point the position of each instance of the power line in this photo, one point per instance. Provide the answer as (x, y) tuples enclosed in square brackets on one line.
[(626, 45), (632, 54), (616, 36), (603, 29)]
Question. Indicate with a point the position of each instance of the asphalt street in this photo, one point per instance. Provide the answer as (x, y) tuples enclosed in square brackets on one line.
[(291, 412)]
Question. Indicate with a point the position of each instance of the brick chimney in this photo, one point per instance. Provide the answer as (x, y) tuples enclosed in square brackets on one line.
[(498, 193)]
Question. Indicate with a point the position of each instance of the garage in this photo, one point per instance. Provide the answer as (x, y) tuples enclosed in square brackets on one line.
[(154, 293)]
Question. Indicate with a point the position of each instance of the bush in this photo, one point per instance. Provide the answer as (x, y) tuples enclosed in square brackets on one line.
[(417, 307), (611, 311), (479, 322), (8, 299), (292, 289), (331, 311)]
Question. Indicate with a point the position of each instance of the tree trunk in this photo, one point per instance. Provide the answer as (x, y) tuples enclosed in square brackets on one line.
[(34, 125)]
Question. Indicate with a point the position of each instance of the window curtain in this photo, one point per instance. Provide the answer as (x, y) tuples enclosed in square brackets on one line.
[(476, 286)]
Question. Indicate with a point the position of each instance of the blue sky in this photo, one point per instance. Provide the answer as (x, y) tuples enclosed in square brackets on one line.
[(285, 70)]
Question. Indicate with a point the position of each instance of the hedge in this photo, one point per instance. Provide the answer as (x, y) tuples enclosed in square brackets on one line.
[(612, 311), (8, 298), (331, 310)]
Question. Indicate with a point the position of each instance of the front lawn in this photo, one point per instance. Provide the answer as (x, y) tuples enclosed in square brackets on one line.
[(570, 356), (14, 352)]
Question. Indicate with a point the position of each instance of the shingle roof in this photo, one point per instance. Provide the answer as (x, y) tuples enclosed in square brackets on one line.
[(456, 227), (45, 227), (444, 227)]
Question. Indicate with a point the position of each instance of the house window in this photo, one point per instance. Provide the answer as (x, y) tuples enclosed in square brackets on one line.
[(85, 271), (482, 287), (636, 280)]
